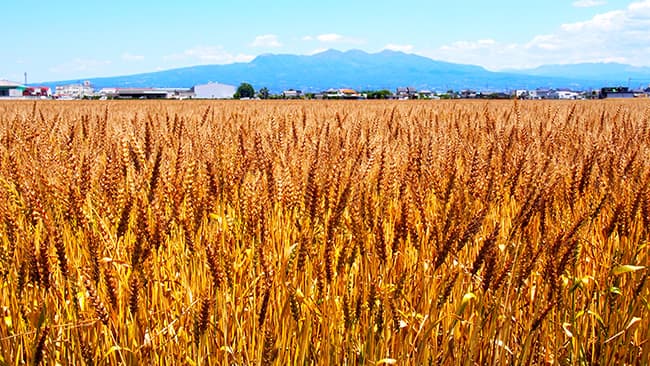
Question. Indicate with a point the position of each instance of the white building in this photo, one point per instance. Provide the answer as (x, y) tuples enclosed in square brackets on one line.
[(179, 93), (406, 92), (292, 94), (540, 93), (521, 93), (11, 89), (76, 91), (108, 92), (342, 94), (214, 91), (564, 94)]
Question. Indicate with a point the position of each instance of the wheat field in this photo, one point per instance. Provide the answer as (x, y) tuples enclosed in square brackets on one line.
[(325, 233)]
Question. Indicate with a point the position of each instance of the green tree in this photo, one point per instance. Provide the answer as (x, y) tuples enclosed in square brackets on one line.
[(245, 90), (263, 93), (377, 94)]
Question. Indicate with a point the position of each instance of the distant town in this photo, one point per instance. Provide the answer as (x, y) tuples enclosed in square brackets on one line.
[(85, 90)]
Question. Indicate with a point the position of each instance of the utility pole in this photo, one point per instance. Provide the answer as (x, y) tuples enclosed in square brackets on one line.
[(25, 78)]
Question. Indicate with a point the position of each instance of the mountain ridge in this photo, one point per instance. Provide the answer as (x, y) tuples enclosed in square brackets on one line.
[(360, 70)]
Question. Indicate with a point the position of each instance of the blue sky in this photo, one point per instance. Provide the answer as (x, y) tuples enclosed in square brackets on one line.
[(65, 39)]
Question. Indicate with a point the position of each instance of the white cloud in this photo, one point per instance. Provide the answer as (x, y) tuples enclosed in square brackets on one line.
[(610, 21), (329, 37), (548, 42), (333, 38), (588, 3), (209, 54), (130, 57), (266, 40), (620, 35), (399, 47)]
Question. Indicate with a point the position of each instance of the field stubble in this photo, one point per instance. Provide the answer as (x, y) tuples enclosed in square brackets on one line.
[(324, 232)]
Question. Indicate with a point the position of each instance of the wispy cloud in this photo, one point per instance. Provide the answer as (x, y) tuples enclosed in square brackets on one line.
[(130, 57), (588, 3), (208, 54), (266, 40), (399, 47), (619, 35)]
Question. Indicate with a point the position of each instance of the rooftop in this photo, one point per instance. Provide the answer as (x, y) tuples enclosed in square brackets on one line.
[(10, 84), (348, 91)]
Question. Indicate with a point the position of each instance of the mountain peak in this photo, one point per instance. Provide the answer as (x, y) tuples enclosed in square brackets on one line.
[(334, 51), (392, 52), (328, 52)]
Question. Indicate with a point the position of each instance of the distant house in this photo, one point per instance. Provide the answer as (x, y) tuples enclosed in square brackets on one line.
[(37, 91), (468, 94), (108, 92), (540, 93), (214, 91), (11, 89), (564, 94), (349, 94), (140, 93), (179, 93), (331, 93), (425, 94), (74, 91), (493, 95), (343, 93), (521, 94), (616, 92), (408, 92), (292, 94)]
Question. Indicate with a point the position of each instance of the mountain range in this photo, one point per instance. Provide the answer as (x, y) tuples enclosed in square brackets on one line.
[(383, 70), (611, 73)]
